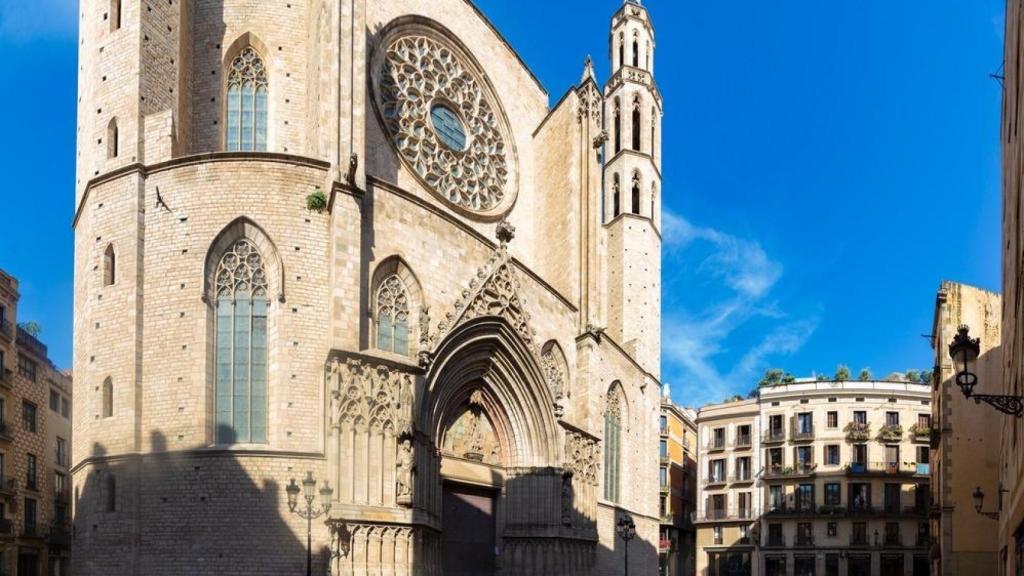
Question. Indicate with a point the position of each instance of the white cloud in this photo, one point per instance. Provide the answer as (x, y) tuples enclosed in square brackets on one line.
[(694, 340), (22, 20)]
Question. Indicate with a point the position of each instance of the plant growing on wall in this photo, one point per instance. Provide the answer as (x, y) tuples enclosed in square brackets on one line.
[(32, 328), (316, 202)]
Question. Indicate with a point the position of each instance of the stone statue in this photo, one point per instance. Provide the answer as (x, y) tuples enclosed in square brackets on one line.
[(406, 465)]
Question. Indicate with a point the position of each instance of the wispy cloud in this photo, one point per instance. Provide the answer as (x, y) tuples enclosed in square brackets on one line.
[(24, 20), (698, 337)]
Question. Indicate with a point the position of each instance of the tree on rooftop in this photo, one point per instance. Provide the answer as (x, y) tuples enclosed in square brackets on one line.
[(842, 373), (772, 377), (865, 374)]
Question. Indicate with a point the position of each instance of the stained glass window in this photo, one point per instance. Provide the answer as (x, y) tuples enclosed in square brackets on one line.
[(247, 104), (241, 346), (393, 316), (449, 127), (612, 441)]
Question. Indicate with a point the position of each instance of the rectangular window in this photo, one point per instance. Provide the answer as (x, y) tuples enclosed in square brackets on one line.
[(775, 535), (718, 535), (718, 470), (859, 535), (892, 418), (804, 534), (805, 423), (745, 510), (718, 438), (860, 496), (892, 457), (30, 516), (663, 449), (860, 416), (922, 455), (924, 420), (892, 534), (832, 419), (775, 459), (54, 400), (31, 480), (832, 455), (775, 424), (832, 494), (62, 451), (803, 456), (28, 416), (832, 530), (27, 367), (743, 468), (743, 435), (860, 454), (892, 498), (775, 498), (59, 484), (65, 408), (663, 477), (805, 498), (832, 564)]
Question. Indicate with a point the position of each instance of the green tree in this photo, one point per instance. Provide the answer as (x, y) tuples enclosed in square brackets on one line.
[(913, 375), (842, 373), (772, 377), (865, 374), (33, 328), (926, 376)]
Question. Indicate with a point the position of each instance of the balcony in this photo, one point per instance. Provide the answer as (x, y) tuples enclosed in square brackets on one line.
[(716, 444), (859, 541), (858, 431), (774, 436), (743, 441), (5, 432), (664, 460), (31, 531), (804, 540), (831, 510), (726, 515), (775, 541), (8, 486), (861, 510), (663, 430), (890, 433), (801, 470), (921, 434), (742, 478), (787, 510), (665, 488), (714, 481), (887, 469), (6, 378), (803, 434), (892, 540), (60, 536), (6, 528)]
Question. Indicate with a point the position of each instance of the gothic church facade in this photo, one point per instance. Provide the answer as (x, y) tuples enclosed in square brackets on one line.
[(353, 238)]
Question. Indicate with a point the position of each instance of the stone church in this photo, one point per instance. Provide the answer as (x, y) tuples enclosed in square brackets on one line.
[(354, 238)]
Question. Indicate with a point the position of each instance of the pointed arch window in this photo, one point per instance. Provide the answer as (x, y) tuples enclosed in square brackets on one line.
[(654, 195), (108, 398), (392, 311), (617, 127), (636, 123), (109, 266), (112, 139), (616, 208), (246, 126), (636, 194), (241, 345), (654, 129), (636, 52), (612, 444)]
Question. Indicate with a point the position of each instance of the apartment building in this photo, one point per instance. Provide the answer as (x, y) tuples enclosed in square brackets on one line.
[(964, 454), (677, 482), (729, 493), (34, 448), (833, 480)]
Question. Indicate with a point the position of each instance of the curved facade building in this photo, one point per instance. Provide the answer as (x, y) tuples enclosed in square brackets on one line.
[(353, 238)]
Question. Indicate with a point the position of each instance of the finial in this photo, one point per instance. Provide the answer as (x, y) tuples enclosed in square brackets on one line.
[(588, 70), (505, 232)]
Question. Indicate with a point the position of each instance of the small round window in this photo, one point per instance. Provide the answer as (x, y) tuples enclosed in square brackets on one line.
[(449, 127)]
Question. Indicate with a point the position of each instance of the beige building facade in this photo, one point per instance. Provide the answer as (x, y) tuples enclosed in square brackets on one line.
[(356, 239), (962, 436), (729, 493), (831, 480), (35, 533), (677, 483)]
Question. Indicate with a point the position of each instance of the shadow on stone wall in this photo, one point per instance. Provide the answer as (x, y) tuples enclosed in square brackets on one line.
[(174, 513)]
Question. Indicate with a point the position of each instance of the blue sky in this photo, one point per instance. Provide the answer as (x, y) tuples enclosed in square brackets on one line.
[(827, 164)]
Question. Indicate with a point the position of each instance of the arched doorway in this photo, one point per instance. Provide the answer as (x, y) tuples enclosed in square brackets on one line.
[(498, 479)]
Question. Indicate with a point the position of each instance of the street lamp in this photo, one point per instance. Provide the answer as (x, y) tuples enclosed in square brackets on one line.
[(309, 494), (627, 531), (979, 502), (964, 351)]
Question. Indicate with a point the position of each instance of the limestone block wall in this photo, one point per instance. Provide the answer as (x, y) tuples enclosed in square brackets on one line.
[(634, 288)]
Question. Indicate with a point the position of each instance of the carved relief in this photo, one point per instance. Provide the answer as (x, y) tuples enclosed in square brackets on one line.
[(373, 396), (553, 364), (442, 120), (583, 457), (472, 434)]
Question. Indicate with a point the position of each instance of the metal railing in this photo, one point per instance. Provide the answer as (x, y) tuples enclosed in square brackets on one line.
[(801, 434), (774, 435), (800, 469), (889, 468), (743, 441), (742, 477), (713, 480), (716, 444), (805, 540), (725, 514)]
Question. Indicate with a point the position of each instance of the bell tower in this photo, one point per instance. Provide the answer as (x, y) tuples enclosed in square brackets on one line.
[(632, 187)]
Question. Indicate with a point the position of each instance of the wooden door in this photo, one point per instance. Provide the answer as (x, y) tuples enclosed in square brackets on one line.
[(468, 534)]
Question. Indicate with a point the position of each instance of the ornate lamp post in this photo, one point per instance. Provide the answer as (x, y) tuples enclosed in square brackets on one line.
[(308, 489), (979, 502), (964, 351), (627, 531)]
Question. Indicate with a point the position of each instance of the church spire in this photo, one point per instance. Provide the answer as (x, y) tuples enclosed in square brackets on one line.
[(588, 71)]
